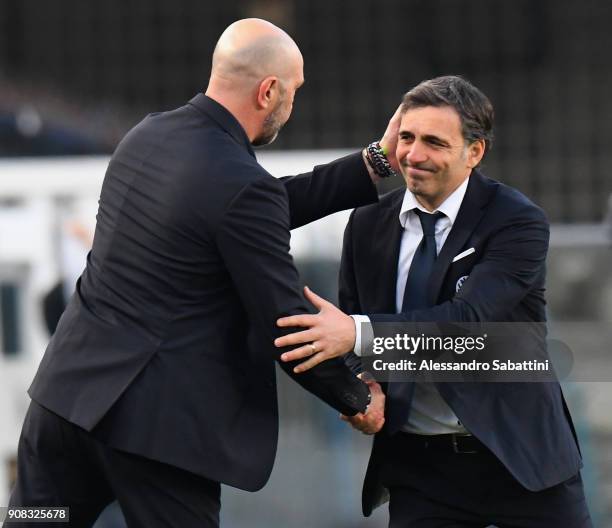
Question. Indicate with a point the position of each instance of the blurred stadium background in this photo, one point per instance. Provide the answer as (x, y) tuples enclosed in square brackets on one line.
[(75, 75)]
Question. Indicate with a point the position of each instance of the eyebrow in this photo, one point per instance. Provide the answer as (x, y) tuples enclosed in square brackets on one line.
[(405, 134)]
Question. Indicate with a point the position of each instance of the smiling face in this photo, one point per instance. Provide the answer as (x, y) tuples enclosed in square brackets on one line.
[(434, 157)]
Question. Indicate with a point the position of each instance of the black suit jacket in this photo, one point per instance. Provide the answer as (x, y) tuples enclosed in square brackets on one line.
[(166, 348), (526, 425)]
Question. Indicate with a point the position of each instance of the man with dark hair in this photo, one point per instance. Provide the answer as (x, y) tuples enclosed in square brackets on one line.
[(454, 247)]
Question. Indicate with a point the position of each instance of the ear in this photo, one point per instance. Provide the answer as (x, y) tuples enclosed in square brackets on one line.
[(267, 92), (476, 151)]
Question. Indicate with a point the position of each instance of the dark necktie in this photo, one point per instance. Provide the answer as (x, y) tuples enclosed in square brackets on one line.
[(415, 293), (415, 297)]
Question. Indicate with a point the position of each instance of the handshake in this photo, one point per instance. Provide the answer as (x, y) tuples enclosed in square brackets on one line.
[(373, 419), (328, 334)]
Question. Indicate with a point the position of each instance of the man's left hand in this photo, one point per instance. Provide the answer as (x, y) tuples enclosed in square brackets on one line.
[(389, 140), (330, 333)]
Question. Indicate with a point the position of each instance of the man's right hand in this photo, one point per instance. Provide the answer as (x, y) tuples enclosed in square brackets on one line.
[(373, 419)]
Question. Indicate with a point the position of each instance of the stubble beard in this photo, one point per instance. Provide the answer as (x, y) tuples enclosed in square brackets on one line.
[(271, 127)]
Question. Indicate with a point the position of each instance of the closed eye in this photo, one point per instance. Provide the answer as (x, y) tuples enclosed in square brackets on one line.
[(436, 142)]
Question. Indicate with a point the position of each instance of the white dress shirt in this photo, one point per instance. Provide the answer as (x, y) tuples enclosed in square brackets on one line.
[(429, 414)]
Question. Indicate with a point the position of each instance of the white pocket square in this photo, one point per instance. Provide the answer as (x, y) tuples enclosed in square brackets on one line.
[(464, 254)]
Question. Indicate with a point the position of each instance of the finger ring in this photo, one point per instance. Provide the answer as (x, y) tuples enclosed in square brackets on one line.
[(314, 348)]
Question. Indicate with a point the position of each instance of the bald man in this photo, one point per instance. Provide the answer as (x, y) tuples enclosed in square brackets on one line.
[(158, 384)]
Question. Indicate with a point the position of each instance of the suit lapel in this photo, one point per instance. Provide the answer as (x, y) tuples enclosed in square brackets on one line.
[(385, 250), (476, 197)]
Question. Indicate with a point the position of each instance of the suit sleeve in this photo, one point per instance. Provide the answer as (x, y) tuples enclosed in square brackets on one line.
[(512, 262), (253, 239), (336, 186)]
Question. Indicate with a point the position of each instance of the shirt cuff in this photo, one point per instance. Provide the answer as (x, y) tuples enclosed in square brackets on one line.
[(362, 342)]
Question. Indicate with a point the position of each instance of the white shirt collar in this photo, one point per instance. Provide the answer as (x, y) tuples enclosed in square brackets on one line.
[(450, 206)]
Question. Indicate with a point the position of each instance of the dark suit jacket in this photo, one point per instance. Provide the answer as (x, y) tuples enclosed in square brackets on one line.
[(166, 348), (526, 425)]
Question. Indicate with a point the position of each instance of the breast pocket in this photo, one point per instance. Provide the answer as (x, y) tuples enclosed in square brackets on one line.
[(460, 270)]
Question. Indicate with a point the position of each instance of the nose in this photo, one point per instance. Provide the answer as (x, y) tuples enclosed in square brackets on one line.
[(416, 153)]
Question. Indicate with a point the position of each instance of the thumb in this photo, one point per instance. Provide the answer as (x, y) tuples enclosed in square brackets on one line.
[(374, 386), (394, 122), (397, 116), (314, 299)]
